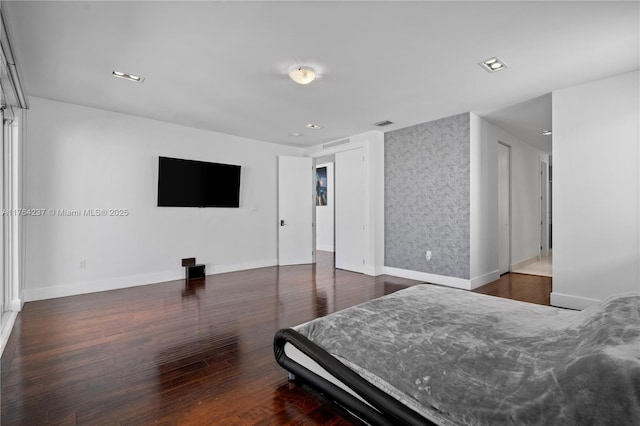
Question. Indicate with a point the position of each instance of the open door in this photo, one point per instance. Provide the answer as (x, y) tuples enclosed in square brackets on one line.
[(296, 211)]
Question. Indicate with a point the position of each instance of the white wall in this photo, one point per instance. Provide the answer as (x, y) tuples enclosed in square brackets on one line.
[(373, 144), (596, 190), (484, 203), (525, 199), (324, 215), (85, 158), (375, 219)]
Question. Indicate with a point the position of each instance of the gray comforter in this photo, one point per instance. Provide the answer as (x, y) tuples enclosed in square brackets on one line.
[(459, 357)]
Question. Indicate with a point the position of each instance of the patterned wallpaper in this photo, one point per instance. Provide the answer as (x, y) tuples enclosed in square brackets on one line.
[(427, 205)]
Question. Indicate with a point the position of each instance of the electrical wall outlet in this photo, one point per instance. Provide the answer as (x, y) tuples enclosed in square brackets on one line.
[(428, 255), (83, 264)]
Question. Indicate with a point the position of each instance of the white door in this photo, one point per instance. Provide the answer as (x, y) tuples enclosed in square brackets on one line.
[(349, 199), (504, 202), (296, 206)]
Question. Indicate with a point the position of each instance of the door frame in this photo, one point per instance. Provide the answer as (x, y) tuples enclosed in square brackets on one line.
[(544, 208), (509, 207)]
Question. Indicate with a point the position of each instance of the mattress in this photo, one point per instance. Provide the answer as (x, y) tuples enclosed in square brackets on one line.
[(436, 355)]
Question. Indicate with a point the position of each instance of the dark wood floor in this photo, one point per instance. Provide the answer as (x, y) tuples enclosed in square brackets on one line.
[(526, 288), (168, 355)]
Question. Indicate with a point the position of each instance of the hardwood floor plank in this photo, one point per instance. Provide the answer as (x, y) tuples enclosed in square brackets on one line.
[(170, 354), (526, 288)]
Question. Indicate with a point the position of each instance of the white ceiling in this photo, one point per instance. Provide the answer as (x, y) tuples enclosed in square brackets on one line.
[(526, 120), (223, 66)]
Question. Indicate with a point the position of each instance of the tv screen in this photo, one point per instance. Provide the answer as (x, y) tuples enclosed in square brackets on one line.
[(189, 183)]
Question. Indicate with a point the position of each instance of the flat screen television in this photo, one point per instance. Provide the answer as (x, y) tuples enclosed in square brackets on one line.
[(190, 183)]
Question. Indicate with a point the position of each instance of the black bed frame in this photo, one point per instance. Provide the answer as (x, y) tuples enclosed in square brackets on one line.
[(382, 409)]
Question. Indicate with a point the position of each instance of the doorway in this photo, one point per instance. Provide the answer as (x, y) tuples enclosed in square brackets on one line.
[(340, 208), (542, 265), (298, 228), (325, 204)]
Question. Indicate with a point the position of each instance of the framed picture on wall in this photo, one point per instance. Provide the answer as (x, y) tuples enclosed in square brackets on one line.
[(321, 186)]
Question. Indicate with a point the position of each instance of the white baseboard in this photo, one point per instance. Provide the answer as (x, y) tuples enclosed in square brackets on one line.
[(42, 293), (16, 305), (572, 302), (430, 278), (378, 270), (328, 248), (373, 271), (369, 270), (484, 279), (8, 320), (221, 269)]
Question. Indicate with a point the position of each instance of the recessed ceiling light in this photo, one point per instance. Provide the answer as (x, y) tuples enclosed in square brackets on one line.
[(296, 134), (383, 123), (126, 76), (493, 64), (302, 75), (546, 132), (313, 126)]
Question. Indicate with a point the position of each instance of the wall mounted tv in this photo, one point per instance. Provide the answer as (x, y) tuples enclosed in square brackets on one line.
[(189, 183)]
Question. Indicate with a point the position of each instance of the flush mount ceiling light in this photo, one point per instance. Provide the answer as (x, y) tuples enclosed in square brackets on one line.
[(302, 75), (313, 126), (126, 76), (546, 132), (493, 64)]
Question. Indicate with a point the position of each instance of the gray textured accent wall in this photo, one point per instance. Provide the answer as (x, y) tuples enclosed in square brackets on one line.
[(427, 190)]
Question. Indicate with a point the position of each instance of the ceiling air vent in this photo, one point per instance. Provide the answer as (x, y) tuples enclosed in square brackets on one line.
[(383, 123), (331, 144)]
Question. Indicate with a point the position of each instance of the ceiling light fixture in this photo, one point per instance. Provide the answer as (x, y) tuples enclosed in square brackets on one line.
[(302, 75), (493, 64), (313, 126), (126, 76), (546, 132), (296, 134)]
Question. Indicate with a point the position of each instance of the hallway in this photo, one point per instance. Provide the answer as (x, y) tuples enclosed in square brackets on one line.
[(542, 266)]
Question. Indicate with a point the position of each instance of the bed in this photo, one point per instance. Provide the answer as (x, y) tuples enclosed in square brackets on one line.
[(436, 355)]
